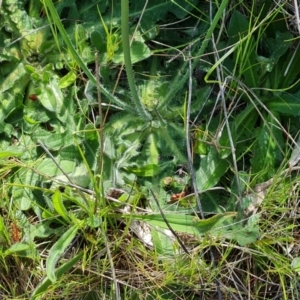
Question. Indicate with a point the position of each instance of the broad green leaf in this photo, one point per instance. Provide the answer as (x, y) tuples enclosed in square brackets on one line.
[(54, 141), (31, 121), (48, 167), (163, 244), (22, 192), (206, 225), (67, 80), (43, 287), (79, 176), (50, 94), (238, 27), (18, 247), (8, 129), (212, 168), (280, 45), (201, 139), (288, 104), (57, 251), (138, 50), (153, 151), (295, 264), (15, 82), (44, 230), (185, 223), (244, 235), (22, 250), (94, 221), (266, 150), (12, 153), (98, 41), (59, 205), (143, 171)]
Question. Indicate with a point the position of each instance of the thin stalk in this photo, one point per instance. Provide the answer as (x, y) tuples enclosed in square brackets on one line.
[(116, 290), (99, 180), (127, 60)]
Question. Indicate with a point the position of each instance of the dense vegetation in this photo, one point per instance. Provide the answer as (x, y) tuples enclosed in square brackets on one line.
[(149, 149)]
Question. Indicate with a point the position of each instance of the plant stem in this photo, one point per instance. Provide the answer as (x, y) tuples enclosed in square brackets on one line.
[(127, 60)]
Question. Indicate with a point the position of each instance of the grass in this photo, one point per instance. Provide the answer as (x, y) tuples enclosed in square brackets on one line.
[(178, 187)]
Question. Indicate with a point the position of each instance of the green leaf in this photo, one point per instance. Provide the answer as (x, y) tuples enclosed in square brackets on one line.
[(53, 141), (22, 192), (153, 151), (30, 120), (79, 176), (94, 221), (18, 247), (16, 81), (212, 168), (48, 167), (43, 286), (206, 225), (59, 206), (288, 104), (22, 250), (98, 41), (280, 45), (144, 171), (67, 80), (295, 264), (266, 150), (57, 251), (138, 50), (244, 235), (12, 153), (238, 27), (50, 95), (163, 245), (185, 223)]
